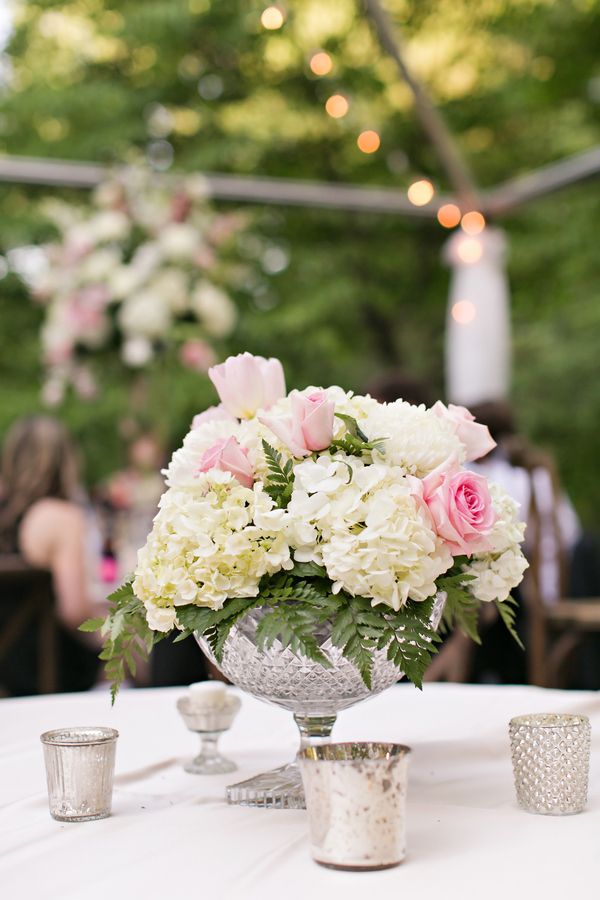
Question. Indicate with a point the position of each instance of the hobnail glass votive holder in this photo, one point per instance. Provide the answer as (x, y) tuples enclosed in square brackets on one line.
[(80, 766), (356, 801), (551, 758)]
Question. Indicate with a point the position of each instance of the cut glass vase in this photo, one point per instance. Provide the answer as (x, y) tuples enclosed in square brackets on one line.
[(313, 693)]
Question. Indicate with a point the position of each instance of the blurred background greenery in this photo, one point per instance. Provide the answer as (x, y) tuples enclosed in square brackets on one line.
[(197, 85)]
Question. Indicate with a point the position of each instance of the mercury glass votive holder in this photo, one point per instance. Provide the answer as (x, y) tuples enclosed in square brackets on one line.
[(80, 766), (356, 802), (551, 758)]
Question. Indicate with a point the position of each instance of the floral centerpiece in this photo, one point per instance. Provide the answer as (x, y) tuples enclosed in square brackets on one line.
[(320, 507), (148, 266)]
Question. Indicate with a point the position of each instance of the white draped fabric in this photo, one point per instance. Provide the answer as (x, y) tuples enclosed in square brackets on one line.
[(172, 835), (478, 319)]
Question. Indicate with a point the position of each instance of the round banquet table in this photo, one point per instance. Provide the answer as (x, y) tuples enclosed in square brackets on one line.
[(172, 834)]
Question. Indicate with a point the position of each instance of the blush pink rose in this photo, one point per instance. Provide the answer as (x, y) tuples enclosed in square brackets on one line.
[(228, 456), (212, 414), (310, 427), (460, 506), (475, 436), (247, 383)]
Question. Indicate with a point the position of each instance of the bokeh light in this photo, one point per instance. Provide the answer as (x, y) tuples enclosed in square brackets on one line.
[(321, 63), (420, 192), (272, 18), (463, 312), (448, 215), (337, 106), (469, 250), (472, 222), (368, 141)]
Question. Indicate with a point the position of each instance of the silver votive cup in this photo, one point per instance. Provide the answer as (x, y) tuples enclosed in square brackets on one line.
[(356, 802), (551, 759), (80, 766)]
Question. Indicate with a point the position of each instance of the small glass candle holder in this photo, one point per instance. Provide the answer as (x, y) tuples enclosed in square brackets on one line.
[(356, 800), (209, 709), (80, 766), (551, 758)]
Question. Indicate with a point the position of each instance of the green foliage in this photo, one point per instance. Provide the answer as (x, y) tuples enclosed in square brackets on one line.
[(507, 614), (126, 636), (279, 482), (355, 442)]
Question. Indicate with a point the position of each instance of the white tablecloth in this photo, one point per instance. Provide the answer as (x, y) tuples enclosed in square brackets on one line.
[(172, 835)]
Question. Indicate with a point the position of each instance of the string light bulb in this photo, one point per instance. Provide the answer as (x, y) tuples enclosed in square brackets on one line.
[(272, 18), (337, 106), (463, 312), (448, 215), (420, 192), (321, 63), (472, 222), (368, 141)]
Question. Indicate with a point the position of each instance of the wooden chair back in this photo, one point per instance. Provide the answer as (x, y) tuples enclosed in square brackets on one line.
[(33, 588)]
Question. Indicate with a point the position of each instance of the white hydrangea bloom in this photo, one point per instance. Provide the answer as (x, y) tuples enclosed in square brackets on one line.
[(364, 524), (210, 542), (501, 569)]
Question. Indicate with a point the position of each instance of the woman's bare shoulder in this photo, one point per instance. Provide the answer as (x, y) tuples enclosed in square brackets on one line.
[(48, 525), (57, 513)]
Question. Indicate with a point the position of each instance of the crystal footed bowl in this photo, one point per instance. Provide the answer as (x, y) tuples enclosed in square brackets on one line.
[(314, 694)]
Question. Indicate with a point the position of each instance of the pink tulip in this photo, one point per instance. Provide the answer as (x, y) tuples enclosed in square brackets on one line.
[(212, 414), (310, 427), (460, 506), (247, 383), (475, 436), (228, 456)]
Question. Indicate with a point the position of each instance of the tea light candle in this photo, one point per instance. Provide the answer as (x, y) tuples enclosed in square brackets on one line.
[(211, 693)]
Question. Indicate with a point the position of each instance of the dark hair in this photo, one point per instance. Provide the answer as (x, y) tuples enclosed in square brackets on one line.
[(396, 385), (38, 461)]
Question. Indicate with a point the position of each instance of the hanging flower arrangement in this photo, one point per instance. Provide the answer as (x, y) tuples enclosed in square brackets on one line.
[(149, 268)]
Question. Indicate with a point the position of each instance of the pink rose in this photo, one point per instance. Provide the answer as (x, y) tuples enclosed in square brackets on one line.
[(460, 506), (228, 456), (212, 414), (247, 383), (310, 426), (475, 436)]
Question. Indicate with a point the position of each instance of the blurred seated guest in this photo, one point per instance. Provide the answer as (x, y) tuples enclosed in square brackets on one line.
[(398, 385), (42, 520), (530, 477), (131, 498)]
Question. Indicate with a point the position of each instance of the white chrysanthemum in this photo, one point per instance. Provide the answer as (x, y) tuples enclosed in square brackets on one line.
[(499, 571), (364, 524), (209, 544), (415, 438)]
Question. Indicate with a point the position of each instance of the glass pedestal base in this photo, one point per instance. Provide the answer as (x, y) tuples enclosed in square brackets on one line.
[(278, 789)]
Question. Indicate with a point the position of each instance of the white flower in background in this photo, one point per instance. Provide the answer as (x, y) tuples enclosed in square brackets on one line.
[(145, 246), (145, 314), (99, 265), (179, 241), (136, 352), (213, 308), (173, 286)]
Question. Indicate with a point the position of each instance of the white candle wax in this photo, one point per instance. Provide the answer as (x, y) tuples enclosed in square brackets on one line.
[(208, 691)]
